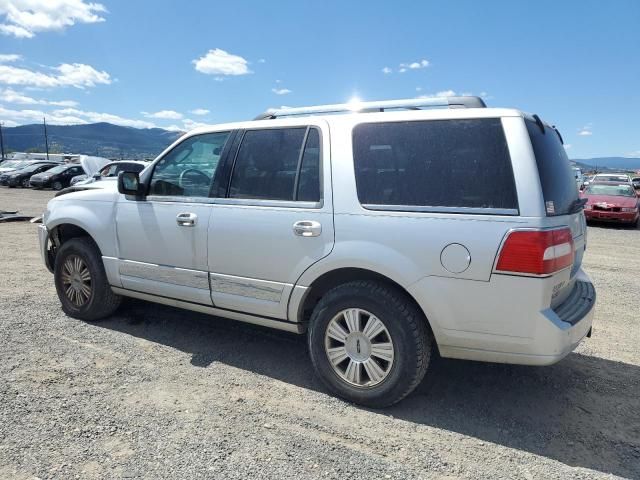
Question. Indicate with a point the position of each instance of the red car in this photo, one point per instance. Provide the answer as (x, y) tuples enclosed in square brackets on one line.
[(611, 202)]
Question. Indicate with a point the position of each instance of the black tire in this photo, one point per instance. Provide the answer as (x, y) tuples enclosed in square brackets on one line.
[(25, 183), (57, 185), (101, 301), (406, 326)]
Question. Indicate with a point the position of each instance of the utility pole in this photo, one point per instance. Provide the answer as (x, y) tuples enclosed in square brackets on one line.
[(46, 139), (1, 143)]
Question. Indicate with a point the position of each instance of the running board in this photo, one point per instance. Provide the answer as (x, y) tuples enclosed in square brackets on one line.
[(197, 307)]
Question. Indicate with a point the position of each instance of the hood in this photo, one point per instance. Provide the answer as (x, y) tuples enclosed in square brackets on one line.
[(614, 200), (110, 187), (92, 164)]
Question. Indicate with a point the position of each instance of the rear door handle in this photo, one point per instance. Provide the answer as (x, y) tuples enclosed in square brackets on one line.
[(307, 228), (187, 219)]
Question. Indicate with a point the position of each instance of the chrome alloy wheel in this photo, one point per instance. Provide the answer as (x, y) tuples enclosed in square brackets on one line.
[(359, 347), (76, 280)]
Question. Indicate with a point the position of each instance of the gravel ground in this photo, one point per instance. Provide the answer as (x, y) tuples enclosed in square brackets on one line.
[(156, 392)]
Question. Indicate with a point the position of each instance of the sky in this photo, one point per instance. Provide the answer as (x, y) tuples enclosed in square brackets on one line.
[(179, 65)]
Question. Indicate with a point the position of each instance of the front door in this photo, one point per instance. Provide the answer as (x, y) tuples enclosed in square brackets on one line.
[(162, 240), (276, 219)]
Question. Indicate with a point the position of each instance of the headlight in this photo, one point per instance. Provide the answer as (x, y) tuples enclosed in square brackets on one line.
[(627, 209)]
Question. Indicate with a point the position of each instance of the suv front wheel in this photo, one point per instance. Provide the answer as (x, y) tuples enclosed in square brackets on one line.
[(369, 343), (81, 281)]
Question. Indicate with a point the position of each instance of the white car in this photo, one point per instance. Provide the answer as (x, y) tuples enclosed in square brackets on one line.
[(110, 171), (349, 223)]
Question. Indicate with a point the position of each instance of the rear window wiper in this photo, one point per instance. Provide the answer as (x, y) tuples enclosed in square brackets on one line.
[(577, 205)]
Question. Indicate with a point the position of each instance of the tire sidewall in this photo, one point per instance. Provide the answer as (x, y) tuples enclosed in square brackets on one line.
[(405, 354), (81, 249), (57, 185)]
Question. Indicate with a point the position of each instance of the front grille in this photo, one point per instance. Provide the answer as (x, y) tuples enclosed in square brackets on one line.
[(579, 302), (606, 209)]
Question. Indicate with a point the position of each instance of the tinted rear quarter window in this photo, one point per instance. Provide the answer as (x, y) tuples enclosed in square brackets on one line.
[(556, 176), (434, 163)]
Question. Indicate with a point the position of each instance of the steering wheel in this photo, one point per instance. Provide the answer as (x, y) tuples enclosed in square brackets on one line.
[(192, 170)]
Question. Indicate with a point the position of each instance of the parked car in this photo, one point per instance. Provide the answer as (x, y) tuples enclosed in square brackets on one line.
[(56, 178), (636, 182), (612, 202), (353, 228), (4, 176), (12, 165), (110, 171), (20, 178)]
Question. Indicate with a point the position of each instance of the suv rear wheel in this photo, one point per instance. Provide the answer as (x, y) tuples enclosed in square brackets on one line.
[(369, 343), (81, 282)]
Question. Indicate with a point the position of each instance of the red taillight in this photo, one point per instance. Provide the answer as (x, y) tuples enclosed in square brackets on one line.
[(537, 252)]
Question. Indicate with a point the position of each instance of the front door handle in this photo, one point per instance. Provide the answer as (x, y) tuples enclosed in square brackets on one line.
[(307, 228), (187, 219)]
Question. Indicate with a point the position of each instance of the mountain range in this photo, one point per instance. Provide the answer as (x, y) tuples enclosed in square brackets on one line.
[(99, 139), (114, 141)]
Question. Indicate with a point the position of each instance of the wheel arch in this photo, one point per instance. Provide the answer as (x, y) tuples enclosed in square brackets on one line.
[(61, 233), (328, 280)]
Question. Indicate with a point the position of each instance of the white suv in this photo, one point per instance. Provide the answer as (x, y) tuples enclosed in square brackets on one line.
[(384, 230)]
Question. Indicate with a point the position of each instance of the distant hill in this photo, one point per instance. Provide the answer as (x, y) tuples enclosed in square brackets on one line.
[(101, 139), (615, 163)]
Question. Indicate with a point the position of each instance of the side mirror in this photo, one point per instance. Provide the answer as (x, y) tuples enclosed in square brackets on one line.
[(96, 175), (129, 184)]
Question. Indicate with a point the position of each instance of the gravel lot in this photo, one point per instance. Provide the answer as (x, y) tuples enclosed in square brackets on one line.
[(156, 392)]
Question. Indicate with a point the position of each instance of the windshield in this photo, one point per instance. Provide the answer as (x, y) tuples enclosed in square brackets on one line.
[(9, 164), (114, 169), (614, 190), (31, 168), (612, 178), (58, 169)]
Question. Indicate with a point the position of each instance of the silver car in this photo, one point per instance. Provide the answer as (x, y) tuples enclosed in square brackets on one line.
[(354, 224)]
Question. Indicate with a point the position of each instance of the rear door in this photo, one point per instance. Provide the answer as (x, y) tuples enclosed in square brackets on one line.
[(276, 219)]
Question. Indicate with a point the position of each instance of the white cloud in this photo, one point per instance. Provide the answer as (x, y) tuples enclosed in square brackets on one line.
[(164, 114), (17, 98), (219, 62), (67, 116), (413, 65), (635, 154), (95, 117), (76, 75), (442, 93), (281, 91), (386, 70), (418, 89), (191, 124), (25, 18), (262, 60), (200, 111), (586, 131), (9, 57), (567, 146)]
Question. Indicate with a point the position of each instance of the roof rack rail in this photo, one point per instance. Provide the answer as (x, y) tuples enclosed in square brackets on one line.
[(380, 106)]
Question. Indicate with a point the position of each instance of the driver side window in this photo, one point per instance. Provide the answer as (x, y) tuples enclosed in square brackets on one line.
[(188, 169)]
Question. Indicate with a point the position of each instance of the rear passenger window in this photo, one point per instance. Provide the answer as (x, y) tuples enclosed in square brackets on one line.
[(274, 164), (436, 163)]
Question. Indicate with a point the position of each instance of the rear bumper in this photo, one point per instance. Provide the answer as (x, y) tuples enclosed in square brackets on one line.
[(616, 217), (499, 321)]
